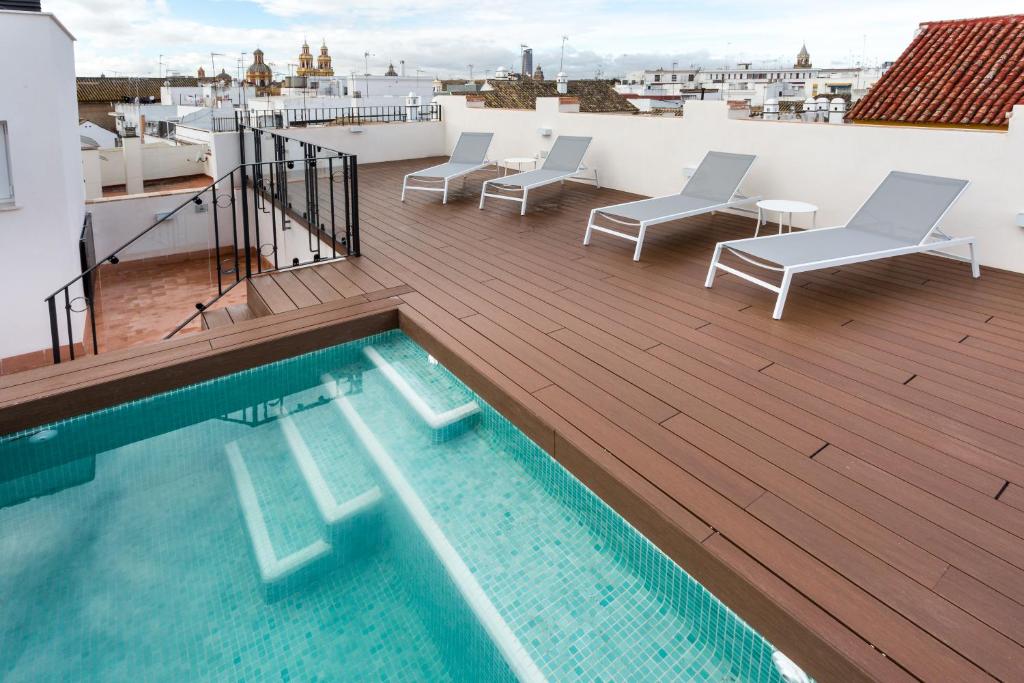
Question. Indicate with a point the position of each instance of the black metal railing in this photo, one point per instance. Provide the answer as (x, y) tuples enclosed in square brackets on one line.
[(284, 118), (248, 209)]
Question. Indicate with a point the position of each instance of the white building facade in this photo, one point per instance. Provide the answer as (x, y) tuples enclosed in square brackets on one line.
[(42, 208)]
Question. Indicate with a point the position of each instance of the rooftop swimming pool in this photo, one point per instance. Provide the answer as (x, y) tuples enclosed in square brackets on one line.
[(352, 514)]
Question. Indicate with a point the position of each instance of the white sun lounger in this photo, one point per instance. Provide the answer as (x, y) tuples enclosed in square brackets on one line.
[(564, 161), (470, 154), (713, 187), (900, 217)]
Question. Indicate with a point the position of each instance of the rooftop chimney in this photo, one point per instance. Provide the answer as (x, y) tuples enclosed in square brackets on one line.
[(563, 83)]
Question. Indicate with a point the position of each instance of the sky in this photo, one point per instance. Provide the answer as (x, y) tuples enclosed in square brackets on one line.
[(443, 37)]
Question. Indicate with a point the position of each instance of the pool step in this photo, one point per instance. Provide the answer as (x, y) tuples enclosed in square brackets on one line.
[(444, 425), (455, 572), (345, 522), (298, 526), (270, 511)]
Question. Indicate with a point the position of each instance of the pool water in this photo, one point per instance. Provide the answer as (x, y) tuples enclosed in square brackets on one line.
[(352, 514)]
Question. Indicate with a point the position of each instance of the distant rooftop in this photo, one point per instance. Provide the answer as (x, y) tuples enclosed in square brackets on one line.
[(594, 96), (965, 72), (115, 89)]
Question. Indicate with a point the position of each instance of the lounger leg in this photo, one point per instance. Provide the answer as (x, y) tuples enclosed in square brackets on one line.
[(444, 198), (483, 194), (787, 278), (975, 267), (714, 265), (590, 228), (639, 241), (522, 212), (597, 181), (405, 181)]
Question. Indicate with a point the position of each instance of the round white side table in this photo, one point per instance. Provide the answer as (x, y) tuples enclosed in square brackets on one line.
[(518, 162), (784, 207)]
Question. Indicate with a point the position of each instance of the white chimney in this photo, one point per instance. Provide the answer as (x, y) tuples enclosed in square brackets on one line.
[(810, 110), (412, 107), (563, 83), (822, 103), (837, 110), (771, 110)]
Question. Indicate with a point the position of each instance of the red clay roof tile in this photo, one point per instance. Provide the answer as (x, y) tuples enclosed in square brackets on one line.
[(961, 72)]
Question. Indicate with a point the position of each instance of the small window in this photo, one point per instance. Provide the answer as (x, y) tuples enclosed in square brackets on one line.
[(657, 78), (6, 181), (674, 78)]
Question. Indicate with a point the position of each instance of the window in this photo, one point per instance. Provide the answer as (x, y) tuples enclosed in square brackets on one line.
[(657, 78), (674, 78), (6, 182)]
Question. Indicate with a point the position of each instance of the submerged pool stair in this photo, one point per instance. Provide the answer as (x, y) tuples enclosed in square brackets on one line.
[(443, 425), (456, 573), (298, 529)]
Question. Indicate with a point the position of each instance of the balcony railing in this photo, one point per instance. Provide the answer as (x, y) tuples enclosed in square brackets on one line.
[(284, 118), (249, 210)]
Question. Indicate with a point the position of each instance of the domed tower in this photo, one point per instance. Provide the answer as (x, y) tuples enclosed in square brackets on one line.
[(538, 74), (803, 58), (201, 74), (305, 62), (323, 62), (391, 70), (259, 74)]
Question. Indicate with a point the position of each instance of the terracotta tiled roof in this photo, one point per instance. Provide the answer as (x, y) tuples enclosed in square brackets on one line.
[(595, 96), (106, 89), (964, 72)]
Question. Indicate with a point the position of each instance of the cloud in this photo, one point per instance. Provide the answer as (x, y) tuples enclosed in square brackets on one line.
[(442, 37)]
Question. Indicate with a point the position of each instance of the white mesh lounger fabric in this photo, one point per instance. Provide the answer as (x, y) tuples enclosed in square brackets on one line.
[(713, 187), (470, 154), (563, 161), (900, 217)]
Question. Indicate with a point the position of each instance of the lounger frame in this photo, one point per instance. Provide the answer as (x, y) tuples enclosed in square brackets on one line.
[(574, 175), (736, 201), (443, 181), (938, 244)]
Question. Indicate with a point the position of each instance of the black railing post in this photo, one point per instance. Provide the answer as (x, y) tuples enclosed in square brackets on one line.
[(245, 220), (51, 305), (353, 177)]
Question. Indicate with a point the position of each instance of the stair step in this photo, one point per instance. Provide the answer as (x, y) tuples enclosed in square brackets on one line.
[(284, 529), (339, 483), (228, 315), (436, 396), (215, 317)]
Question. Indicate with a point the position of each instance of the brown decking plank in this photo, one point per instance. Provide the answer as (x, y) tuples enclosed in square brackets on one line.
[(339, 283), (993, 608), (513, 368), (311, 278), (975, 640), (732, 485), (978, 449), (240, 313), (299, 294), (217, 317), (271, 295)]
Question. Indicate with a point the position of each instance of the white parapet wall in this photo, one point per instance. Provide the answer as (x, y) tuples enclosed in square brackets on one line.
[(833, 166), (134, 163), (377, 142)]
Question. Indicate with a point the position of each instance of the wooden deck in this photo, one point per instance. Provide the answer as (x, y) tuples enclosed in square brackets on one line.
[(850, 479), (860, 461)]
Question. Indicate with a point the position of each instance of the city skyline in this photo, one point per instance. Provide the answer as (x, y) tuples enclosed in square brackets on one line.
[(159, 37)]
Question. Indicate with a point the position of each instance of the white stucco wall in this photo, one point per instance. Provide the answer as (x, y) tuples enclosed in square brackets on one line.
[(833, 166), (378, 142), (38, 237)]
